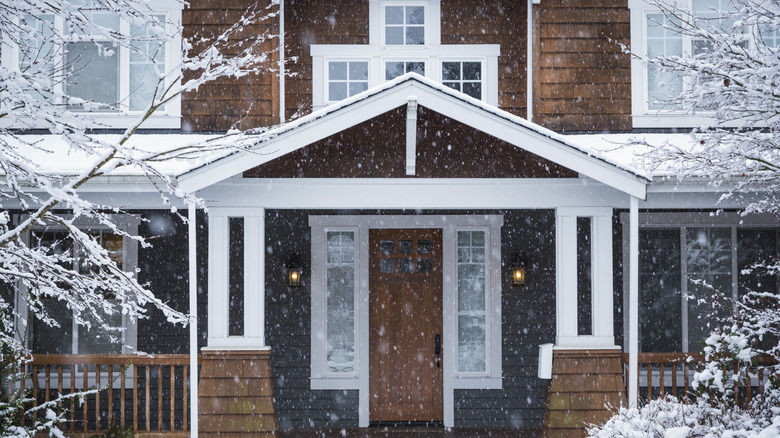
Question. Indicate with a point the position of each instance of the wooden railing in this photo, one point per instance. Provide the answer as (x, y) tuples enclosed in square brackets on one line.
[(151, 393), (663, 373)]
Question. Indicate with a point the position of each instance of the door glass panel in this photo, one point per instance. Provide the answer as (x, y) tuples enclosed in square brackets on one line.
[(424, 265), (424, 246), (387, 246), (405, 266), (405, 246), (386, 266), (341, 301), (471, 301)]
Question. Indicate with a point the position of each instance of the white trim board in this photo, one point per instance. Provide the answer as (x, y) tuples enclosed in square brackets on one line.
[(394, 94)]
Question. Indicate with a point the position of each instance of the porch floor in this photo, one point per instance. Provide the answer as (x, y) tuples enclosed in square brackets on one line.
[(413, 432)]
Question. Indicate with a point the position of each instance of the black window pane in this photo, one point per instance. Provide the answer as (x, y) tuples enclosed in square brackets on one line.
[(453, 85), (450, 71), (416, 67), (473, 89), (660, 300), (406, 246), (584, 284), (236, 285), (472, 71)]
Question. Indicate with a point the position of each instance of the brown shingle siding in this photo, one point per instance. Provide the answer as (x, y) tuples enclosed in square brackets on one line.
[(582, 72), (245, 102)]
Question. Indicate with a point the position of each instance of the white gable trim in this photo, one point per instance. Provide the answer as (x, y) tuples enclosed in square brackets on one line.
[(372, 103)]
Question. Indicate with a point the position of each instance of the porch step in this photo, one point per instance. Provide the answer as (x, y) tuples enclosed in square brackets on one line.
[(586, 388), (411, 432)]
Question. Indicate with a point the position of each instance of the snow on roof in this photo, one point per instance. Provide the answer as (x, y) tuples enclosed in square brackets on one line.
[(634, 149), (52, 155), (323, 112)]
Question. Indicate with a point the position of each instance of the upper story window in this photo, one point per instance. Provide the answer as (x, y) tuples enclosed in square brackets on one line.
[(404, 36), (404, 24), (464, 76), (347, 78), (114, 84), (654, 91)]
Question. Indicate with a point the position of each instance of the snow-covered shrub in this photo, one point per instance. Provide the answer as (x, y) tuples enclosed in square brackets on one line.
[(670, 418)]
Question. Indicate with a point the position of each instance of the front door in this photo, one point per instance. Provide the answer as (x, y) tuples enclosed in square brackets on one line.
[(405, 325)]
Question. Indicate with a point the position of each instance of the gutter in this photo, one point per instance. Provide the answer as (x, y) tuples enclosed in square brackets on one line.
[(281, 62), (530, 62)]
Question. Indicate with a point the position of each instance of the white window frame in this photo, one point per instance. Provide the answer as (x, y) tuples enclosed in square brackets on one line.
[(124, 223), (643, 117), (426, 4), (326, 72), (681, 222), (321, 379), (433, 52), (167, 118)]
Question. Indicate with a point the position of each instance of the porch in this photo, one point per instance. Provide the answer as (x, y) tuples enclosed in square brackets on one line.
[(151, 395)]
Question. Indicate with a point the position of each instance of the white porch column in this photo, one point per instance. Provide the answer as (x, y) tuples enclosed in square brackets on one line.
[(602, 332), (193, 278), (633, 303), (219, 279)]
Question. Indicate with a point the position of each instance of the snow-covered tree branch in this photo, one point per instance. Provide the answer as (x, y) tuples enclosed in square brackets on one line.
[(57, 48), (732, 76)]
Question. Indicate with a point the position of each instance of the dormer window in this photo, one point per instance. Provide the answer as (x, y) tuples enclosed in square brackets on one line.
[(404, 24), (404, 36)]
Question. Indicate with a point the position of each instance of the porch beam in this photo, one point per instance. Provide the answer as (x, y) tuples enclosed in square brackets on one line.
[(633, 303), (411, 135)]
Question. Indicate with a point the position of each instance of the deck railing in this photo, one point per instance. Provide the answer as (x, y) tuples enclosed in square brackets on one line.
[(151, 393), (664, 373)]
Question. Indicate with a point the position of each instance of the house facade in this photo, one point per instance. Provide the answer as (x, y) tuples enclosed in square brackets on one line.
[(469, 249)]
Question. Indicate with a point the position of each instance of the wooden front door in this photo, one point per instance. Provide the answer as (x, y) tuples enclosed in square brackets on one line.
[(405, 325)]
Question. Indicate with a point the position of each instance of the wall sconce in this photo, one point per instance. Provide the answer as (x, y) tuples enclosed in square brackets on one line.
[(518, 270), (294, 277), (294, 272)]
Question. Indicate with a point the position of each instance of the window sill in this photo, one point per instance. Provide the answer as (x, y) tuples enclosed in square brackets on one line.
[(477, 383), (675, 120), (335, 383)]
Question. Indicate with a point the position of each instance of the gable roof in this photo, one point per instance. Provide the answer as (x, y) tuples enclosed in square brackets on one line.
[(330, 120)]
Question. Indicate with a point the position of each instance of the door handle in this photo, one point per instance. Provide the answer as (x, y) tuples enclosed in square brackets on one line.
[(437, 349)]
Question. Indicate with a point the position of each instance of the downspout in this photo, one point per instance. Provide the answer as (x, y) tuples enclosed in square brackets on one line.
[(530, 62), (193, 278), (281, 62), (633, 303)]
